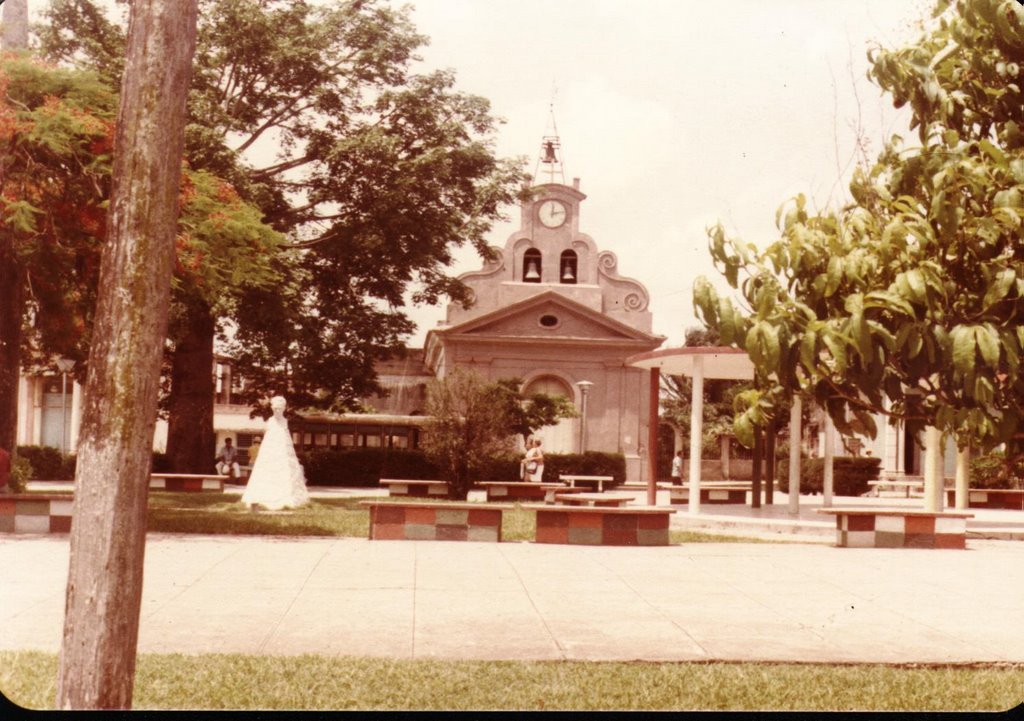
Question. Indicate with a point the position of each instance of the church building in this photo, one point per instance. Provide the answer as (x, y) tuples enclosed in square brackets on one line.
[(551, 308)]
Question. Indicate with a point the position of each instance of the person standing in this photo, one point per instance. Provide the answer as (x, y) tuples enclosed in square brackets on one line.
[(534, 462), (677, 469)]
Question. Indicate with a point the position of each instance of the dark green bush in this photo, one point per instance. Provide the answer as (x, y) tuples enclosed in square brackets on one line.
[(995, 470), (161, 463), (364, 467), (850, 475), (48, 464), (591, 463)]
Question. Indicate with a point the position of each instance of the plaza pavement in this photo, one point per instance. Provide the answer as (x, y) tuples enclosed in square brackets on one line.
[(808, 602)]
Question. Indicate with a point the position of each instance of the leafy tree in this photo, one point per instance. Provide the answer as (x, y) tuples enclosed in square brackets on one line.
[(677, 396), (108, 533), (376, 171), (56, 129), (528, 414), (472, 421), (914, 292)]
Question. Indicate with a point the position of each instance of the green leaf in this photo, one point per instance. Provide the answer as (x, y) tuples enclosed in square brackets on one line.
[(988, 343), (998, 289), (964, 344)]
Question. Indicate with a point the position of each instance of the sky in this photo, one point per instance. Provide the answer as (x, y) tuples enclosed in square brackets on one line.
[(675, 115)]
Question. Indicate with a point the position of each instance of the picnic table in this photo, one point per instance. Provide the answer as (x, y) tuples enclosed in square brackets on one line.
[(572, 480), (594, 499)]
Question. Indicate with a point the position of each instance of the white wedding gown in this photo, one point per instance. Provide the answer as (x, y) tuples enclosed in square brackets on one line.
[(277, 480)]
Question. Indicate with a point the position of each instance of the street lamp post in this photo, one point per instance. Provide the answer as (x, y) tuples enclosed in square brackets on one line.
[(584, 387), (65, 366)]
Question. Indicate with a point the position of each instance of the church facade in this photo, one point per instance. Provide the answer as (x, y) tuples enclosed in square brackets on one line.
[(551, 308)]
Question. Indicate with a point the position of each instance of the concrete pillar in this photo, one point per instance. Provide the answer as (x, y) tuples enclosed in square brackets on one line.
[(829, 453), (963, 476), (696, 431), (794, 456), (724, 441), (932, 469), (652, 437)]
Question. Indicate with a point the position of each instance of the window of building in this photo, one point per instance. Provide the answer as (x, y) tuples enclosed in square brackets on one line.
[(567, 270), (548, 385), (532, 266)]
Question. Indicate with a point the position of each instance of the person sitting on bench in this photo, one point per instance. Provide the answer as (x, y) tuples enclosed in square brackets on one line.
[(227, 463)]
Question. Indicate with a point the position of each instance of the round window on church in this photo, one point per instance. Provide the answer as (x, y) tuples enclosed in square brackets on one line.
[(549, 321)]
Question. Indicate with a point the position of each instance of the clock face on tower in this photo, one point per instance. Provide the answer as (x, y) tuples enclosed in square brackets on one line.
[(552, 213)]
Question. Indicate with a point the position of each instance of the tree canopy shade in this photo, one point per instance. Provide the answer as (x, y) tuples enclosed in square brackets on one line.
[(314, 113), (915, 292)]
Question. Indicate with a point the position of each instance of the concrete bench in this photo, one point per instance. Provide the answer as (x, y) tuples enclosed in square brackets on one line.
[(891, 484), (711, 494), (426, 521), (894, 528), (36, 512), (189, 482), (602, 526), (416, 489), (521, 491), (1007, 498), (599, 481), (594, 499)]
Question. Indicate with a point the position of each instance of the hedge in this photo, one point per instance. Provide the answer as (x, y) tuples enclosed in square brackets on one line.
[(995, 470), (850, 475), (364, 467), (48, 463)]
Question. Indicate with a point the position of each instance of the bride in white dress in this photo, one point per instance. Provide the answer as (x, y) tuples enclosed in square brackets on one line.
[(277, 480)]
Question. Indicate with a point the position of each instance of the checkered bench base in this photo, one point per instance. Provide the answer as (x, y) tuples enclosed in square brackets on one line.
[(35, 513), (899, 529), (434, 521), (602, 526)]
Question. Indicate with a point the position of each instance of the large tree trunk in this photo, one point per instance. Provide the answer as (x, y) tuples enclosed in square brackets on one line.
[(191, 443), (15, 25), (11, 307), (108, 532), (15, 37)]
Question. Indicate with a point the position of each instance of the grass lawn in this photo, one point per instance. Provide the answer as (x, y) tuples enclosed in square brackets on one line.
[(216, 681), (222, 513)]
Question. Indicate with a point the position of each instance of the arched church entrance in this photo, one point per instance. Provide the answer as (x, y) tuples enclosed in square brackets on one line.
[(559, 438)]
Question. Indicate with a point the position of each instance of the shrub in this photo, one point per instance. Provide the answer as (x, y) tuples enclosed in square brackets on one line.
[(850, 475), (48, 464), (21, 472), (995, 470), (364, 467), (161, 463), (591, 463)]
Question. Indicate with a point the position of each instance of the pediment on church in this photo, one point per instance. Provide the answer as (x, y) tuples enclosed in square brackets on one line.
[(549, 316)]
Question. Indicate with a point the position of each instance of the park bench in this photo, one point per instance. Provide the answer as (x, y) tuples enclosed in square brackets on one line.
[(598, 481), (430, 521), (35, 512), (189, 482), (602, 525), (416, 489), (896, 528), (1006, 498), (892, 484), (594, 499), (711, 492), (521, 490)]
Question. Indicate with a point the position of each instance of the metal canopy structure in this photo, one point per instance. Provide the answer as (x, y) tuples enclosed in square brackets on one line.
[(697, 363)]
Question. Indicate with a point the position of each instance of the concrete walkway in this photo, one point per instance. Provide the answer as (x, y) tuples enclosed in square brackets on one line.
[(428, 599)]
